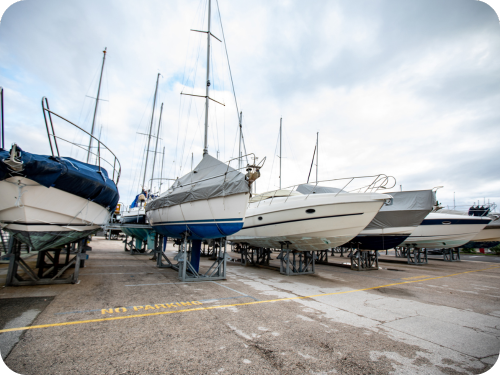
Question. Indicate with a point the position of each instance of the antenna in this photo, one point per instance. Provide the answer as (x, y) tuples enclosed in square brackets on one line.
[(317, 154), (312, 163)]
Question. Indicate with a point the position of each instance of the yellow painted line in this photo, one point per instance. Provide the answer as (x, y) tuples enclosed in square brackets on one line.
[(415, 277), (235, 304)]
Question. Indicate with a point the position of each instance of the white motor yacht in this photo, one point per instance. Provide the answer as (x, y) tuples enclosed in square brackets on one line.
[(307, 222), (443, 230), (490, 233)]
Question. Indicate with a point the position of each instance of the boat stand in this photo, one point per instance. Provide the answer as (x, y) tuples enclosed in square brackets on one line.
[(135, 245), (338, 250), (451, 255), (416, 256), (321, 256), (217, 270), (50, 266), (254, 256), (364, 260), (293, 263), (400, 252)]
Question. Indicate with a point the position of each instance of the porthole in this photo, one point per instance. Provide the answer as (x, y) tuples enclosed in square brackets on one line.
[(260, 217), (310, 210), (446, 222)]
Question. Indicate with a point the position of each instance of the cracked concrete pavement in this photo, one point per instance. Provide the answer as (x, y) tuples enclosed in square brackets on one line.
[(416, 319)]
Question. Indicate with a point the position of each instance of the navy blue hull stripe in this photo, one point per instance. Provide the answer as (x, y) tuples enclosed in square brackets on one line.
[(309, 218), (209, 221), (453, 221)]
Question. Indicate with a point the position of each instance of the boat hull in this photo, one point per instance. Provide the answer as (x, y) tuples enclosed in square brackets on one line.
[(134, 217), (203, 219), (45, 218), (381, 239), (336, 220), (446, 231)]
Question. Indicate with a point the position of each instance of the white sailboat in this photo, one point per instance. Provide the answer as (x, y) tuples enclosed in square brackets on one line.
[(50, 201), (210, 201), (136, 212)]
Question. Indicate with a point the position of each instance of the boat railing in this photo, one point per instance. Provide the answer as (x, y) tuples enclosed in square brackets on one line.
[(54, 147), (378, 182)]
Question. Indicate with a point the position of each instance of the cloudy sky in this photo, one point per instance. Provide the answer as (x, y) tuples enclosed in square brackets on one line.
[(406, 88)]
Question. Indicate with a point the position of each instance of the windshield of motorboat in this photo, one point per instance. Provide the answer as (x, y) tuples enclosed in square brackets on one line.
[(273, 194)]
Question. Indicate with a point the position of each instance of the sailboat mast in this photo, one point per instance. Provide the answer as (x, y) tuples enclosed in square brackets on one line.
[(156, 146), (96, 104), (150, 129), (161, 170), (205, 144), (281, 135), (317, 154)]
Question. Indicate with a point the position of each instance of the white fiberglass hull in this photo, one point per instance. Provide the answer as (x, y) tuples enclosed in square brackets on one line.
[(446, 231), (202, 219), (47, 217), (136, 215), (491, 233), (308, 222)]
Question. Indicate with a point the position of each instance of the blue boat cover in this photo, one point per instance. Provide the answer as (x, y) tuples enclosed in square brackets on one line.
[(66, 174)]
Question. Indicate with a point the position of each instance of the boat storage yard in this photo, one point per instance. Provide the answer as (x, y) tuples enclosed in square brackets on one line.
[(127, 316), (207, 271)]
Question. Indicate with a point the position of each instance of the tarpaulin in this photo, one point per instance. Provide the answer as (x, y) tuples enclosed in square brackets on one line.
[(66, 174), (408, 209), (211, 178)]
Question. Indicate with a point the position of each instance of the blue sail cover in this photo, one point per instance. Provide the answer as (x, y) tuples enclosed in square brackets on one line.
[(66, 174)]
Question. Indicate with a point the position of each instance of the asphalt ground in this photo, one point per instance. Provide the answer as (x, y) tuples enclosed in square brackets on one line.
[(126, 316)]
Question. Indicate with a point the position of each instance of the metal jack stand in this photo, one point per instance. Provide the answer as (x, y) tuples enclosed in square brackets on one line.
[(338, 250), (50, 267), (254, 256), (451, 255), (364, 260), (322, 256), (137, 248), (294, 262), (160, 255), (416, 256), (217, 270), (401, 252)]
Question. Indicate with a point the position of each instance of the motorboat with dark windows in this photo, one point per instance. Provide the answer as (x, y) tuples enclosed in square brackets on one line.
[(443, 230), (309, 221)]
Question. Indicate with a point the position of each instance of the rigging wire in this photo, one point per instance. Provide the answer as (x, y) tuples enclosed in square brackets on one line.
[(184, 83), (230, 72), (272, 165)]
